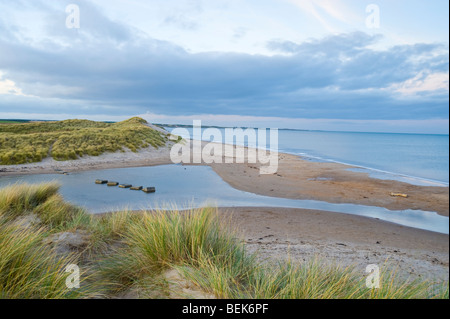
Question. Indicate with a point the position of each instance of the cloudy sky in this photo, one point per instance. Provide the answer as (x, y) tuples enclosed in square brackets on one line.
[(351, 65)]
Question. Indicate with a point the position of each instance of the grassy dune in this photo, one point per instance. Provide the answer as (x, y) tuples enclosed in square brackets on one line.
[(131, 252), (70, 139)]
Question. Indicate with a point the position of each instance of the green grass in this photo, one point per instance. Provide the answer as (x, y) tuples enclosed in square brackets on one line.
[(71, 139), (132, 251)]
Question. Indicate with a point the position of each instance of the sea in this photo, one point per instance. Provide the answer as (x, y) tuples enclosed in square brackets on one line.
[(421, 159)]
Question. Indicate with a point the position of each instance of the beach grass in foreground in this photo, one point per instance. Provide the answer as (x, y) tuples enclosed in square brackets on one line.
[(71, 139), (157, 254)]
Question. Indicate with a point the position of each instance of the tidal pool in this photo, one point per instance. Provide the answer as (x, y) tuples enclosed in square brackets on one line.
[(195, 186)]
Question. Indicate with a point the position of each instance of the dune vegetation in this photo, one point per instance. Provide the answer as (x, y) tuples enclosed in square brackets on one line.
[(130, 254), (71, 139)]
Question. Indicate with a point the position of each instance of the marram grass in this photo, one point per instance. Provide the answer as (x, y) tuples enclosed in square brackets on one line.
[(206, 251), (29, 269), (131, 251), (71, 139)]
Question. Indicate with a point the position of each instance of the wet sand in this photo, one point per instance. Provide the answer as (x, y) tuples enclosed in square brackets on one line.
[(298, 178)]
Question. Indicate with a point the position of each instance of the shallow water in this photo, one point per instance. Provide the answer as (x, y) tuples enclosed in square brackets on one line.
[(195, 186)]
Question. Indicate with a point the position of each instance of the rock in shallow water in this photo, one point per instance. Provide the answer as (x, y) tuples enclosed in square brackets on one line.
[(149, 189), (112, 183)]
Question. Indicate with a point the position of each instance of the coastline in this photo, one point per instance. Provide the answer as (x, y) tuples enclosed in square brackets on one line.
[(296, 178), (301, 234)]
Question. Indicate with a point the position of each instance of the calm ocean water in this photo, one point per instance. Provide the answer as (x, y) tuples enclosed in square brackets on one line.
[(415, 158)]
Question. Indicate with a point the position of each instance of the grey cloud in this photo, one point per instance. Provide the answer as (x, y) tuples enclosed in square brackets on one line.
[(358, 67), (107, 67)]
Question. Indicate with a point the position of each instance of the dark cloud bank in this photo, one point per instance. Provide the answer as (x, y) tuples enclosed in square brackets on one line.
[(109, 68)]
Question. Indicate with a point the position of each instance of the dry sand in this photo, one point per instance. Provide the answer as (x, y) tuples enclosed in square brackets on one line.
[(299, 234), (145, 157)]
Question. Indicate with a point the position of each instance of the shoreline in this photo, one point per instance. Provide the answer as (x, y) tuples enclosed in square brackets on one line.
[(398, 177), (296, 178)]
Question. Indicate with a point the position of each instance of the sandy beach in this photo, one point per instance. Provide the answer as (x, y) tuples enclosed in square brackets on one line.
[(348, 240), (302, 234)]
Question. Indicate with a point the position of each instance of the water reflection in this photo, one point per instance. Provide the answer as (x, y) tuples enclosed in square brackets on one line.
[(194, 186)]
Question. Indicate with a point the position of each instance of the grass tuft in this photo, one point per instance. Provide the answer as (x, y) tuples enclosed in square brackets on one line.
[(30, 269), (18, 199)]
